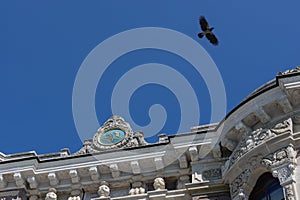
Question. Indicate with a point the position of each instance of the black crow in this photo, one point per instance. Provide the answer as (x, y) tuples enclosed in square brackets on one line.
[(207, 31)]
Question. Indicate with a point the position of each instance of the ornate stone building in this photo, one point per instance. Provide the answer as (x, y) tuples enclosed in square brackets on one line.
[(251, 154)]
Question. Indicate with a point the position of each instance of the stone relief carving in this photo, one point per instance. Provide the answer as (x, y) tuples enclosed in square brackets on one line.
[(290, 71), (104, 190), (238, 183), (115, 133), (137, 188), (289, 192), (74, 198), (282, 163), (257, 137), (212, 174), (135, 191), (75, 195), (159, 184), (86, 148), (284, 155), (13, 195), (284, 174), (241, 195), (283, 127), (51, 195)]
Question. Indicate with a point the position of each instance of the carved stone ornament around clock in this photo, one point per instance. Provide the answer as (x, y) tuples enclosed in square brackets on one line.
[(115, 133)]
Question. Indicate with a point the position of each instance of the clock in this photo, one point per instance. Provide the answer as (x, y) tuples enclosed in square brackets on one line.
[(111, 137), (115, 133)]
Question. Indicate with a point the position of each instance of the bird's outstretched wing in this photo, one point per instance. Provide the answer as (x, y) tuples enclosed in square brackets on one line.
[(212, 38), (203, 23)]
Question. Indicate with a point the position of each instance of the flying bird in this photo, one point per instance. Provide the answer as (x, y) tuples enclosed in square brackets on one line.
[(207, 31)]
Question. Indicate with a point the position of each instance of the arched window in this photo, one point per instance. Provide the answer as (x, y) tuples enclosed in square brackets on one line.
[(267, 188)]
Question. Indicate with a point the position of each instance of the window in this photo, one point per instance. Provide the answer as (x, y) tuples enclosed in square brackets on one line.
[(267, 188)]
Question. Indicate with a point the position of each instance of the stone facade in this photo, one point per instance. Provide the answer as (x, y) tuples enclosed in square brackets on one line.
[(216, 161)]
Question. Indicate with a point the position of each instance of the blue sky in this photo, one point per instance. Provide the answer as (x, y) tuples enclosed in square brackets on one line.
[(44, 43)]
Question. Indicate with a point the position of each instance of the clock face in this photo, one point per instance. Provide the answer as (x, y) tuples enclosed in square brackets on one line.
[(111, 137)]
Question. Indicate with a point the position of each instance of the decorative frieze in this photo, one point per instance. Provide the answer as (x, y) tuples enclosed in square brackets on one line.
[(212, 174), (13, 195), (257, 137), (284, 127), (239, 182), (289, 192), (280, 157)]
